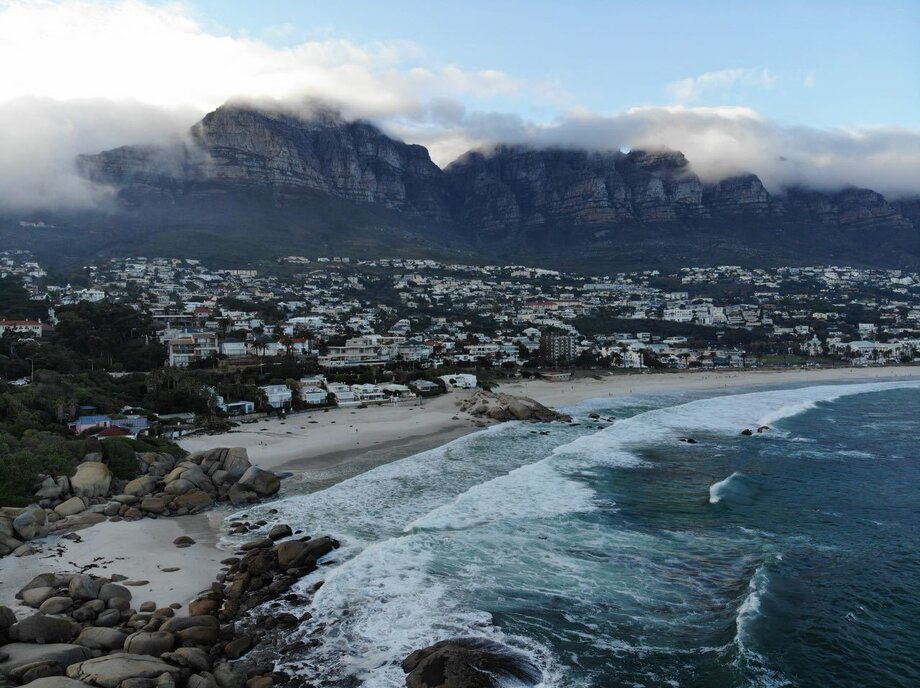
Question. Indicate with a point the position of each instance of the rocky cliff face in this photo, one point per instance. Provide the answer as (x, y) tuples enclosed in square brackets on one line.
[(521, 187), (737, 196), (240, 148), (513, 188), (511, 197)]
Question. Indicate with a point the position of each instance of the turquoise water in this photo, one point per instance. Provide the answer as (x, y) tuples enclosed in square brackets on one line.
[(616, 554)]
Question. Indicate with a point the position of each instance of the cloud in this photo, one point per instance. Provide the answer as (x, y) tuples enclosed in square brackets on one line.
[(73, 68), (694, 87), (41, 138), (161, 56), (82, 76), (718, 141)]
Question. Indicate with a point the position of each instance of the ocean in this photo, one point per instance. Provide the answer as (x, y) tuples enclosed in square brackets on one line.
[(614, 552)]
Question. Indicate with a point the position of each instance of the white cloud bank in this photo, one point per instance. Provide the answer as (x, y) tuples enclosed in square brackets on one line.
[(718, 142), (694, 87), (84, 76)]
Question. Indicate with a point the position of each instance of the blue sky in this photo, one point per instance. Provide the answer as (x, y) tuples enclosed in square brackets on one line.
[(828, 64), (825, 94)]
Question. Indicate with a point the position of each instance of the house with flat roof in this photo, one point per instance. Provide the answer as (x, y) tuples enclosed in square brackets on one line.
[(278, 396), (342, 394), (84, 423), (191, 346)]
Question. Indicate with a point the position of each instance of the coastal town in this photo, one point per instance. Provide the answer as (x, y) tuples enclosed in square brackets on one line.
[(305, 333), (148, 399), (344, 314)]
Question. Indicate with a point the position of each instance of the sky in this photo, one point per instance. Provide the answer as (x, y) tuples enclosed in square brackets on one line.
[(818, 93)]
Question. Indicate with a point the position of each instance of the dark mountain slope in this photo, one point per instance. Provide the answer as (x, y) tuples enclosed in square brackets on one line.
[(249, 183)]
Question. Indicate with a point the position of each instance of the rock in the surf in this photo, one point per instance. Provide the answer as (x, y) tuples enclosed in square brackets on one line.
[(468, 663)]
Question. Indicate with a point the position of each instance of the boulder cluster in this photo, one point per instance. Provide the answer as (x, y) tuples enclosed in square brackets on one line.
[(86, 631), (502, 407), (166, 486)]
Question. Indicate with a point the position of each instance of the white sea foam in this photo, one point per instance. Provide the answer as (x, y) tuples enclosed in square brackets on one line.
[(387, 602), (402, 521), (533, 491), (751, 604), (723, 415), (717, 491)]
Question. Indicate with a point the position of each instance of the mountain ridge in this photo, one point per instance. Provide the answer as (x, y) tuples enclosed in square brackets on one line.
[(552, 204)]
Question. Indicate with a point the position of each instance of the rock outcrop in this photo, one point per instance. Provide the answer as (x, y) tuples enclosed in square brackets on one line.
[(469, 663), (92, 479), (167, 487), (88, 633), (502, 407)]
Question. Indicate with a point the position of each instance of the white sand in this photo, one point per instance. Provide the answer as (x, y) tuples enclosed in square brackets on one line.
[(558, 394), (139, 550), (320, 439)]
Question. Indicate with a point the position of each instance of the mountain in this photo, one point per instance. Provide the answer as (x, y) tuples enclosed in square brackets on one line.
[(237, 149), (249, 183), (641, 208)]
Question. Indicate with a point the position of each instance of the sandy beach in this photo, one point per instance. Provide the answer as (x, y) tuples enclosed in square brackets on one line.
[(319, 440), (350, 440), (558, 394), (141, 550)]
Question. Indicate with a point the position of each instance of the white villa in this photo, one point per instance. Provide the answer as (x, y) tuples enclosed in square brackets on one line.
[(279, 396)]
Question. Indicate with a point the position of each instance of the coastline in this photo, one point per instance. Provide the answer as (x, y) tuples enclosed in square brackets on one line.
[(563, 394), (319, 442), (325, 439), (327, 448)]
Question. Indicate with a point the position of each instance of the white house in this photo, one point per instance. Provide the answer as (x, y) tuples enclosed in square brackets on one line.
[(233, 348), (191, 346), (358, 351), (311, 390), (342, 394), (413, 351), (460, 381), (396, 391), (368, 392), (632, 359), (235, 408), (279, 396)]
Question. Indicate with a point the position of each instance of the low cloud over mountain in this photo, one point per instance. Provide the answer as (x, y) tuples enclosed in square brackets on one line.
[(121, 86)]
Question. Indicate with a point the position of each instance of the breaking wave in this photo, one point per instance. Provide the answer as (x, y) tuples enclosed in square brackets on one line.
[(718, 491), (435, 543)]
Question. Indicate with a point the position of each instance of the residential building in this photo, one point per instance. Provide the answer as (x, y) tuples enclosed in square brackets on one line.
[(359, 351), (278, 396), (191, 346), (29, 328), (460, 381), (557, 348)]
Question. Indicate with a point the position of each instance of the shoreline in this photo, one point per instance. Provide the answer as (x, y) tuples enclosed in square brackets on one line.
[(318, 442), (573, 392), (142, 549)]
